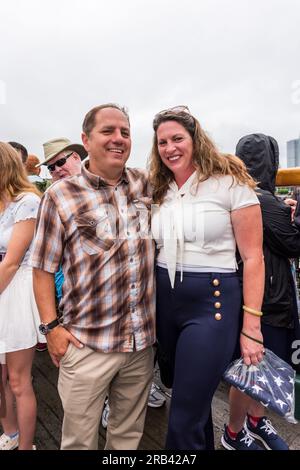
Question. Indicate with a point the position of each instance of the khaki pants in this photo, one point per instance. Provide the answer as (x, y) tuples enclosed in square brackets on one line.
[(86, 377)]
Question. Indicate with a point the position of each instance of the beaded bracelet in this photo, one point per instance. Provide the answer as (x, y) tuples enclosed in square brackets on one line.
[(253, 339), (257, 313)]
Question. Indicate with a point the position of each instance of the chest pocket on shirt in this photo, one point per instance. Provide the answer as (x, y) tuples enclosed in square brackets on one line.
[(95, 229), (142, 214)]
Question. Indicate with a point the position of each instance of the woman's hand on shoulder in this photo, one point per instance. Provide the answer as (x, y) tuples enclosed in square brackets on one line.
[(293, 204)]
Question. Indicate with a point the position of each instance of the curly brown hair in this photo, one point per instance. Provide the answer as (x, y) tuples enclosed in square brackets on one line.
[(13, 180), (207, 159)]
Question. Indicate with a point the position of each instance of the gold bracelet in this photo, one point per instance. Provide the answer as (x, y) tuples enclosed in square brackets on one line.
[(257, 313), (253, 339)]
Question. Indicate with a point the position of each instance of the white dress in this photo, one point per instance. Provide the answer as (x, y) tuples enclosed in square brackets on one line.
[(19, 318)]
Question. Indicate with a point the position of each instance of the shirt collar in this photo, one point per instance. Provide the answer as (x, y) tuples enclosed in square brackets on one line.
[(97, 181), (184, 188)]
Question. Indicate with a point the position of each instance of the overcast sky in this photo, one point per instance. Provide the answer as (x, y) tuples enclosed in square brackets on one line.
[(235, 63)]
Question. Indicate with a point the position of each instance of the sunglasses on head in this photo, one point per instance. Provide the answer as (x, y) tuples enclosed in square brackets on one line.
[(180, 111), (59, 162), (175, 110)]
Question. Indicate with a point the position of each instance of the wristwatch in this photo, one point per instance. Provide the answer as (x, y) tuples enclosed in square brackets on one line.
[(46, 327)]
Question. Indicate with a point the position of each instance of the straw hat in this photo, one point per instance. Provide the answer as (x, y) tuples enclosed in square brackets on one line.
[(55, 146)]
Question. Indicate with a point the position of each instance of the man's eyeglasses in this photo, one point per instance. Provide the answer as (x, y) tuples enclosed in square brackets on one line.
[(59, 162)]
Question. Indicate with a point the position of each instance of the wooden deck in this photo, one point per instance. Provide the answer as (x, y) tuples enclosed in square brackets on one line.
[(48, 432)]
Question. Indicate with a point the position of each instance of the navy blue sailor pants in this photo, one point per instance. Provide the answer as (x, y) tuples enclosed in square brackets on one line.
[(197, 330)]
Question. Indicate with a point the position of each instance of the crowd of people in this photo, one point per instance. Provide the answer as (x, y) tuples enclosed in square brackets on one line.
[(108, 265)]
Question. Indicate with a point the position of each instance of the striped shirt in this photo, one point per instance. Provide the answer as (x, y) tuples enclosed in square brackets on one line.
[(100, 234)]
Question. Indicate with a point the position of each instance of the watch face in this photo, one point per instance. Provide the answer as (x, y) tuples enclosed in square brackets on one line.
[(43, 329)]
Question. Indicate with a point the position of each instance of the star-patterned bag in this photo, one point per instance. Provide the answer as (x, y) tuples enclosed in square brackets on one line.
[(271, 382)]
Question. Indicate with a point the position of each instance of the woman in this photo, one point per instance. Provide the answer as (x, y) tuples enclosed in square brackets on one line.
[(19, 319), (2, 399), (205, 206), (280, 322)]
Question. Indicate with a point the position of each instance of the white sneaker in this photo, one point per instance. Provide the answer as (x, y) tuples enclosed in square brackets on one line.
[(8, 443), (105, 415), (156, 398)]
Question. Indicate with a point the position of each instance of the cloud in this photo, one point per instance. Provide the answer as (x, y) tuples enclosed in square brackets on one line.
[(233, 63)]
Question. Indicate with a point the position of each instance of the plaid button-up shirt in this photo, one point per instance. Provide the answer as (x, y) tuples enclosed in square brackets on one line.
[(100, 234)]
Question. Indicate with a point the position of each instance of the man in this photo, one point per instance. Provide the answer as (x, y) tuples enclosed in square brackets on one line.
[(62, 159), (96, 224), (22, 151)]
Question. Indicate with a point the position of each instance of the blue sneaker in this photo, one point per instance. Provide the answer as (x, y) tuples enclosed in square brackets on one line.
[(243, 441), (265, 433)]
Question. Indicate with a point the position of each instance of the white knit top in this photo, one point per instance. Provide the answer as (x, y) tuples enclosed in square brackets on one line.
[(193, 225)]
